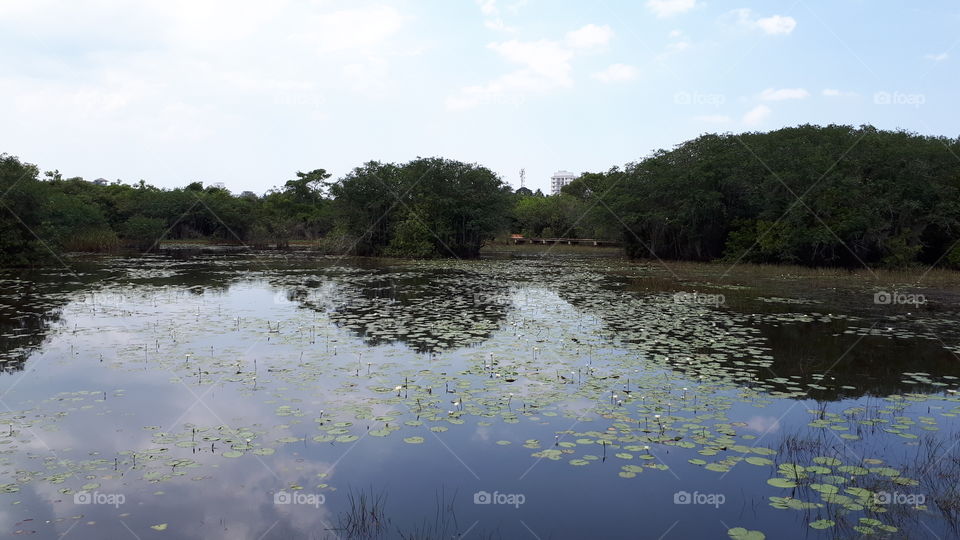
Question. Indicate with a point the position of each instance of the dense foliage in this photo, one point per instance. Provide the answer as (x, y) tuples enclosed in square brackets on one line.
[(823, 196), (425, 208), (834, 195)]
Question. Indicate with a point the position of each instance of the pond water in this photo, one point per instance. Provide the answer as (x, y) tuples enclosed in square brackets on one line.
[(286, 396)]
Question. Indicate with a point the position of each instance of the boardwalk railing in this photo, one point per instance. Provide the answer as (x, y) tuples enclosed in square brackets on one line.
[(568, 241)]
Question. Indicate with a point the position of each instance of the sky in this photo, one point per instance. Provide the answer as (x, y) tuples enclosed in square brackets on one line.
[(247, 93)]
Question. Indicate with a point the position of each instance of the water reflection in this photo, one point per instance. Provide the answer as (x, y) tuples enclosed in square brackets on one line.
[(199, 389), (28, 310), (427, 311), (850, 365)]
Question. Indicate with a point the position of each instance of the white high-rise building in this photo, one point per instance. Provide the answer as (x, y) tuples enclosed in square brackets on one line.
[(560, 179)]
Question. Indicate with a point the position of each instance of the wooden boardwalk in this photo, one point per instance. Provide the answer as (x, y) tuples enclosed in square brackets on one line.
[(568, 241)]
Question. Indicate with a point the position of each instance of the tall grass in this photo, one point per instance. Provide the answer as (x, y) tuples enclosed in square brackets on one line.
[(99, 239), (917, 275)]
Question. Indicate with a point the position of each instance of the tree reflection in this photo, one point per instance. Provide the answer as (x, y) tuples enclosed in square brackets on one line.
[(427, 310)]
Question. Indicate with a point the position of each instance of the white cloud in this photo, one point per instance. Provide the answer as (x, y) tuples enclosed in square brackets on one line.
[(938, 57), (617, 73), (590, 36), (492, 13), (833, 92), (369, 77), (361, 28), (178, 75), (498, 25), (488, 7), (546, 58), (669, 8), (679, 43), (544, 65), (757, 115), (783, 94), (775, 25)]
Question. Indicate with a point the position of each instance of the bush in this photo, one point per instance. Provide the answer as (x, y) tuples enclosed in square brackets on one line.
[(92, 239), (411, 239), (953, 258), (337, 242), (143, 232), (901, 252)]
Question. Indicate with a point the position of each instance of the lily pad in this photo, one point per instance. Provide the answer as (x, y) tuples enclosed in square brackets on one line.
[(822, 524), (739, 533)]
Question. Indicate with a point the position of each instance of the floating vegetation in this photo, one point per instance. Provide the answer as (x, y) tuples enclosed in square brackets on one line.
[(739, 533), (315, 376)]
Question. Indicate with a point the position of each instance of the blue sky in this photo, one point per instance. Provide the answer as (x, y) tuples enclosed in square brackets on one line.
[(247, 93)]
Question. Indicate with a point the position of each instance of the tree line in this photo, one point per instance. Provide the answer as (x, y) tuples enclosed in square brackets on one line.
[(811, 195), (427, 207)]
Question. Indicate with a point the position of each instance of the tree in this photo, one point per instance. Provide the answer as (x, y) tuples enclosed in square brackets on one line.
[(308, 187), (143, 232), (366, 207), (564, 215), (455, 207), (462, 205), (22, 214), (813, 195), (785, 197)]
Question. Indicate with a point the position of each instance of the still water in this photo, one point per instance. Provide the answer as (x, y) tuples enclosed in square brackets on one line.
[(567, 397)]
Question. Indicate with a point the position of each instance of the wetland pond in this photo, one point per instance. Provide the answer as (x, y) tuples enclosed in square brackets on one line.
[(288, 396)]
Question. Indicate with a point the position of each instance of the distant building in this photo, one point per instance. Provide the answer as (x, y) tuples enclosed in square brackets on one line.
[(560, 179), (101, 181)]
